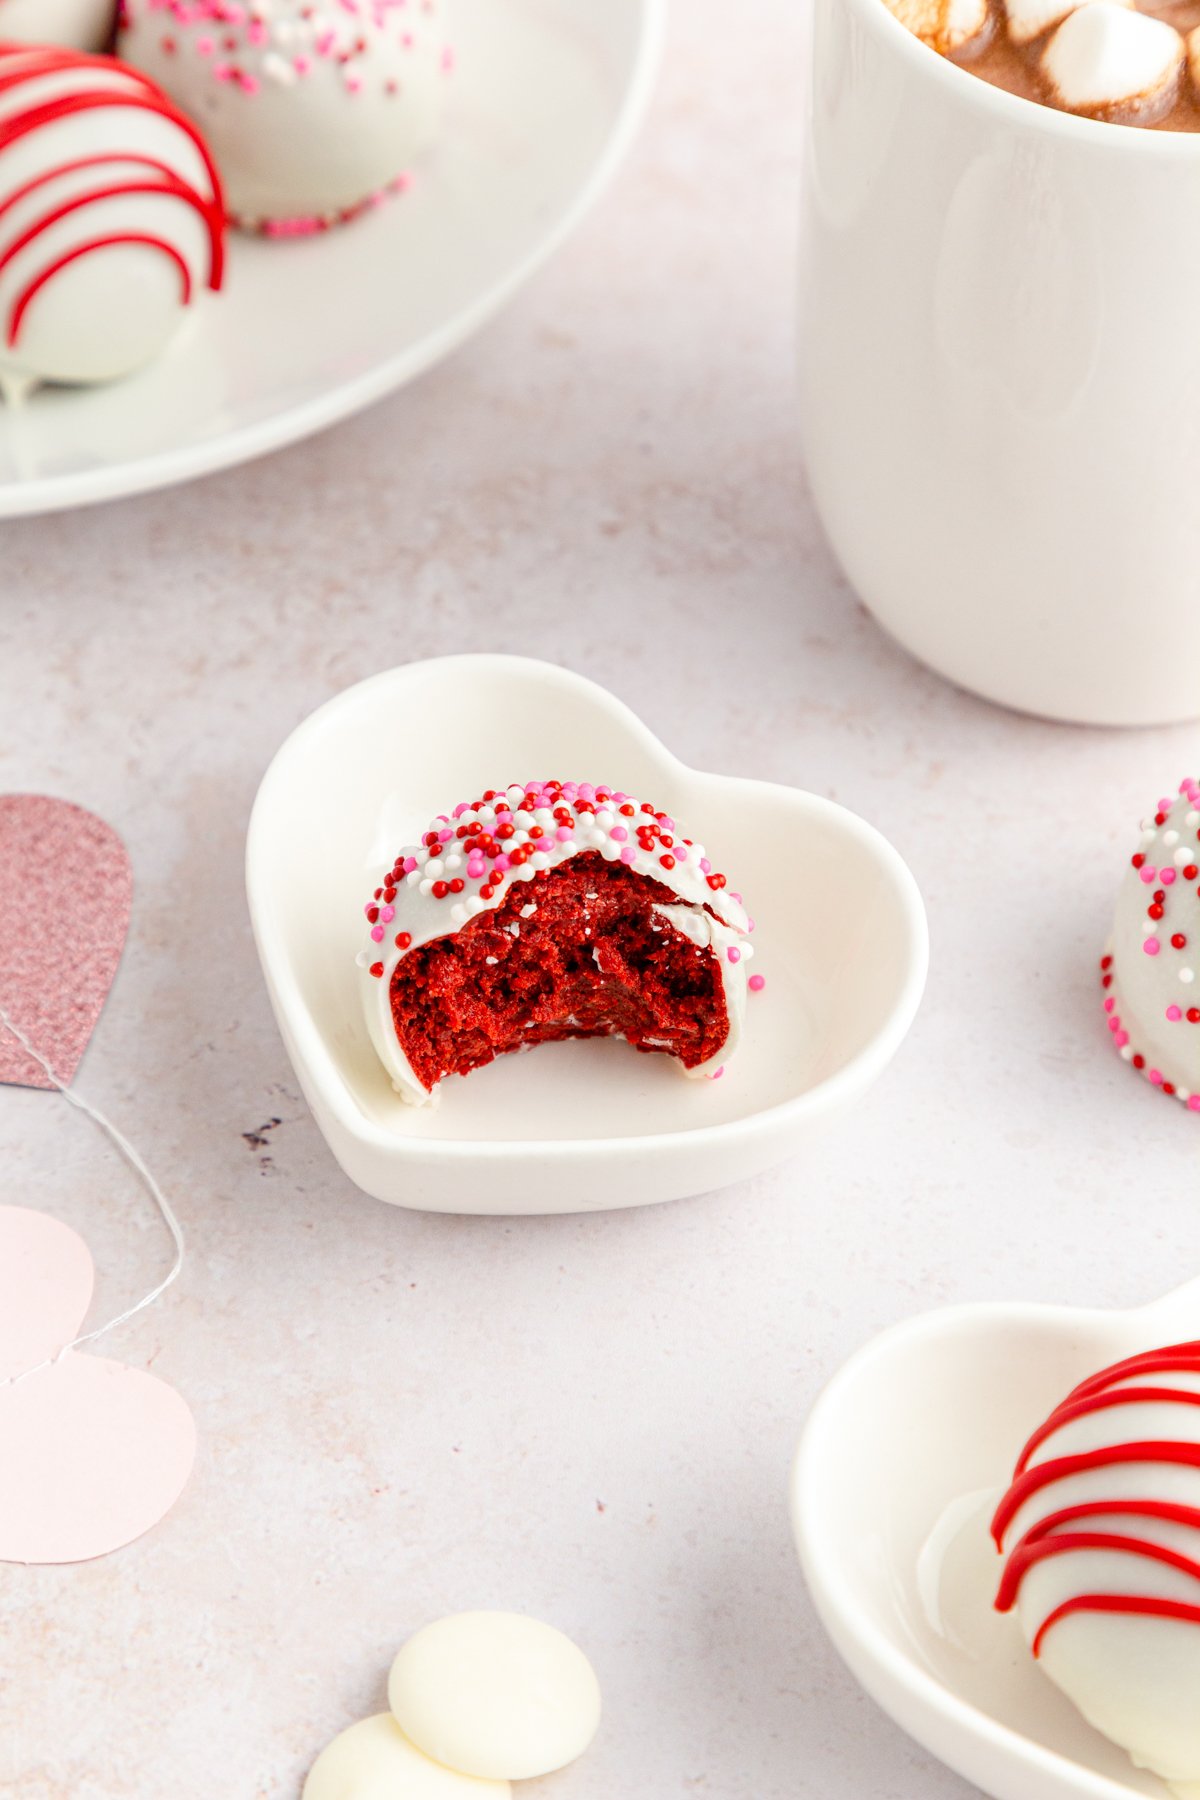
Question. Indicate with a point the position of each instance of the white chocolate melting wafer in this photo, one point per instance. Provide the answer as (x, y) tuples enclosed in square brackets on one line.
[(497, 1695), (1112, 63), (373, 1760), (1028, 19)]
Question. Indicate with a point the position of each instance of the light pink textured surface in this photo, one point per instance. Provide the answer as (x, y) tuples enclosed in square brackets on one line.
[(92, 1454), (587, 1418), (65, 895)]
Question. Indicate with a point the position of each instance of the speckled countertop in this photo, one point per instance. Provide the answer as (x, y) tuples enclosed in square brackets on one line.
[(589, 1418)]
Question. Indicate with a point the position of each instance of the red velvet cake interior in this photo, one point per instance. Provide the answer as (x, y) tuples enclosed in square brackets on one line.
[(579, 952)]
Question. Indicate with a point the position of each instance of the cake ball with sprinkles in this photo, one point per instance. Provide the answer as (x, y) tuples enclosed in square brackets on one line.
[(1150, 972), (548, 910), (77, 24), (316, 110)]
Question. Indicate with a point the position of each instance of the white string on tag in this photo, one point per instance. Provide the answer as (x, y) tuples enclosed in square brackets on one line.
[(152, 1188)]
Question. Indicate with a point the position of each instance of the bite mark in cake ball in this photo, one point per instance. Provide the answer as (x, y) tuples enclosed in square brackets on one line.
[(545, 911)]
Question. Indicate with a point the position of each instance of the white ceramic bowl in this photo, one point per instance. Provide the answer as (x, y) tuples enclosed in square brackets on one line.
[(547, 95), (902, 1461), (841, 941)]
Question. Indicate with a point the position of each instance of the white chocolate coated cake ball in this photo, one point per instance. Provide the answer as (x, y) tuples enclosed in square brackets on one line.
[(111, 218), (79, 24), (316, 109), (1151, 973), (1100, 1530)]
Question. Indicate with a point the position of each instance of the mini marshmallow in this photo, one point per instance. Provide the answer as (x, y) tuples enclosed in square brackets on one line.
[(1028, 19), (1193, 56), (946, 26), (1109, 61)]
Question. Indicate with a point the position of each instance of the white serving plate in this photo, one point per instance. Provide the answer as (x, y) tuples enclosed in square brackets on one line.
[(547, 96), (841, 941), (901, 1464)]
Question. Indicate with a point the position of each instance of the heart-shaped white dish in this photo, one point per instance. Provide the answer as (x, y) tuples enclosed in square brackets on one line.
[(841, 941), (901, 1462)]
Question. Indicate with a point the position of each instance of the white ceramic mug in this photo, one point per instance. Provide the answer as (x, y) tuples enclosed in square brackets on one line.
[(1000, 377)]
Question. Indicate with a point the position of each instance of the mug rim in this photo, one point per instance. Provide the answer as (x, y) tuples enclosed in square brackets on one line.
[(1015, 110)]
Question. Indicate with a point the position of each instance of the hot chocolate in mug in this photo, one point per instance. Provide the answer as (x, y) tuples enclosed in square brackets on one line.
[(1000, 376)]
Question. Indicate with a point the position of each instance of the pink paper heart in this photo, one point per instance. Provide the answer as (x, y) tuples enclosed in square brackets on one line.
[(92, 1454), (65, 896)]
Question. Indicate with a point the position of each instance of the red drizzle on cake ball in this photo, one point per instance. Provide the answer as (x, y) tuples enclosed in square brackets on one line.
[(550, 910), (1095, 1517)]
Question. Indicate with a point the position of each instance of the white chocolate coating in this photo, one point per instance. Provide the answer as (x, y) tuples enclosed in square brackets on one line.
[(373, 1760), (313, 110), (79, 301), (1155, 979), (418, 913), (1107, 57), (495, 1694), (1134, 1674), (79, 24)]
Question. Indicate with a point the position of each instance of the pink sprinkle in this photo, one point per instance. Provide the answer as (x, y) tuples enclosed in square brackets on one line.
[(205, 46), (410, 863), (388, 914), (628, 854), (377, 934), (564, 834), (1152, 946), (1155, 1075), (501, 864), (1194, 1103), (1166, 876), (1174, 1014), (757, 983), (717, 1073), (618, 834), (445, 836), (705, 866), (733, 953), (1109, 1004), (1121, 1039), (1148, 875)]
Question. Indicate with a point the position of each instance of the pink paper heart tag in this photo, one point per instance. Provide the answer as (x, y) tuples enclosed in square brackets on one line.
[(92, 1453), (65, 895)]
